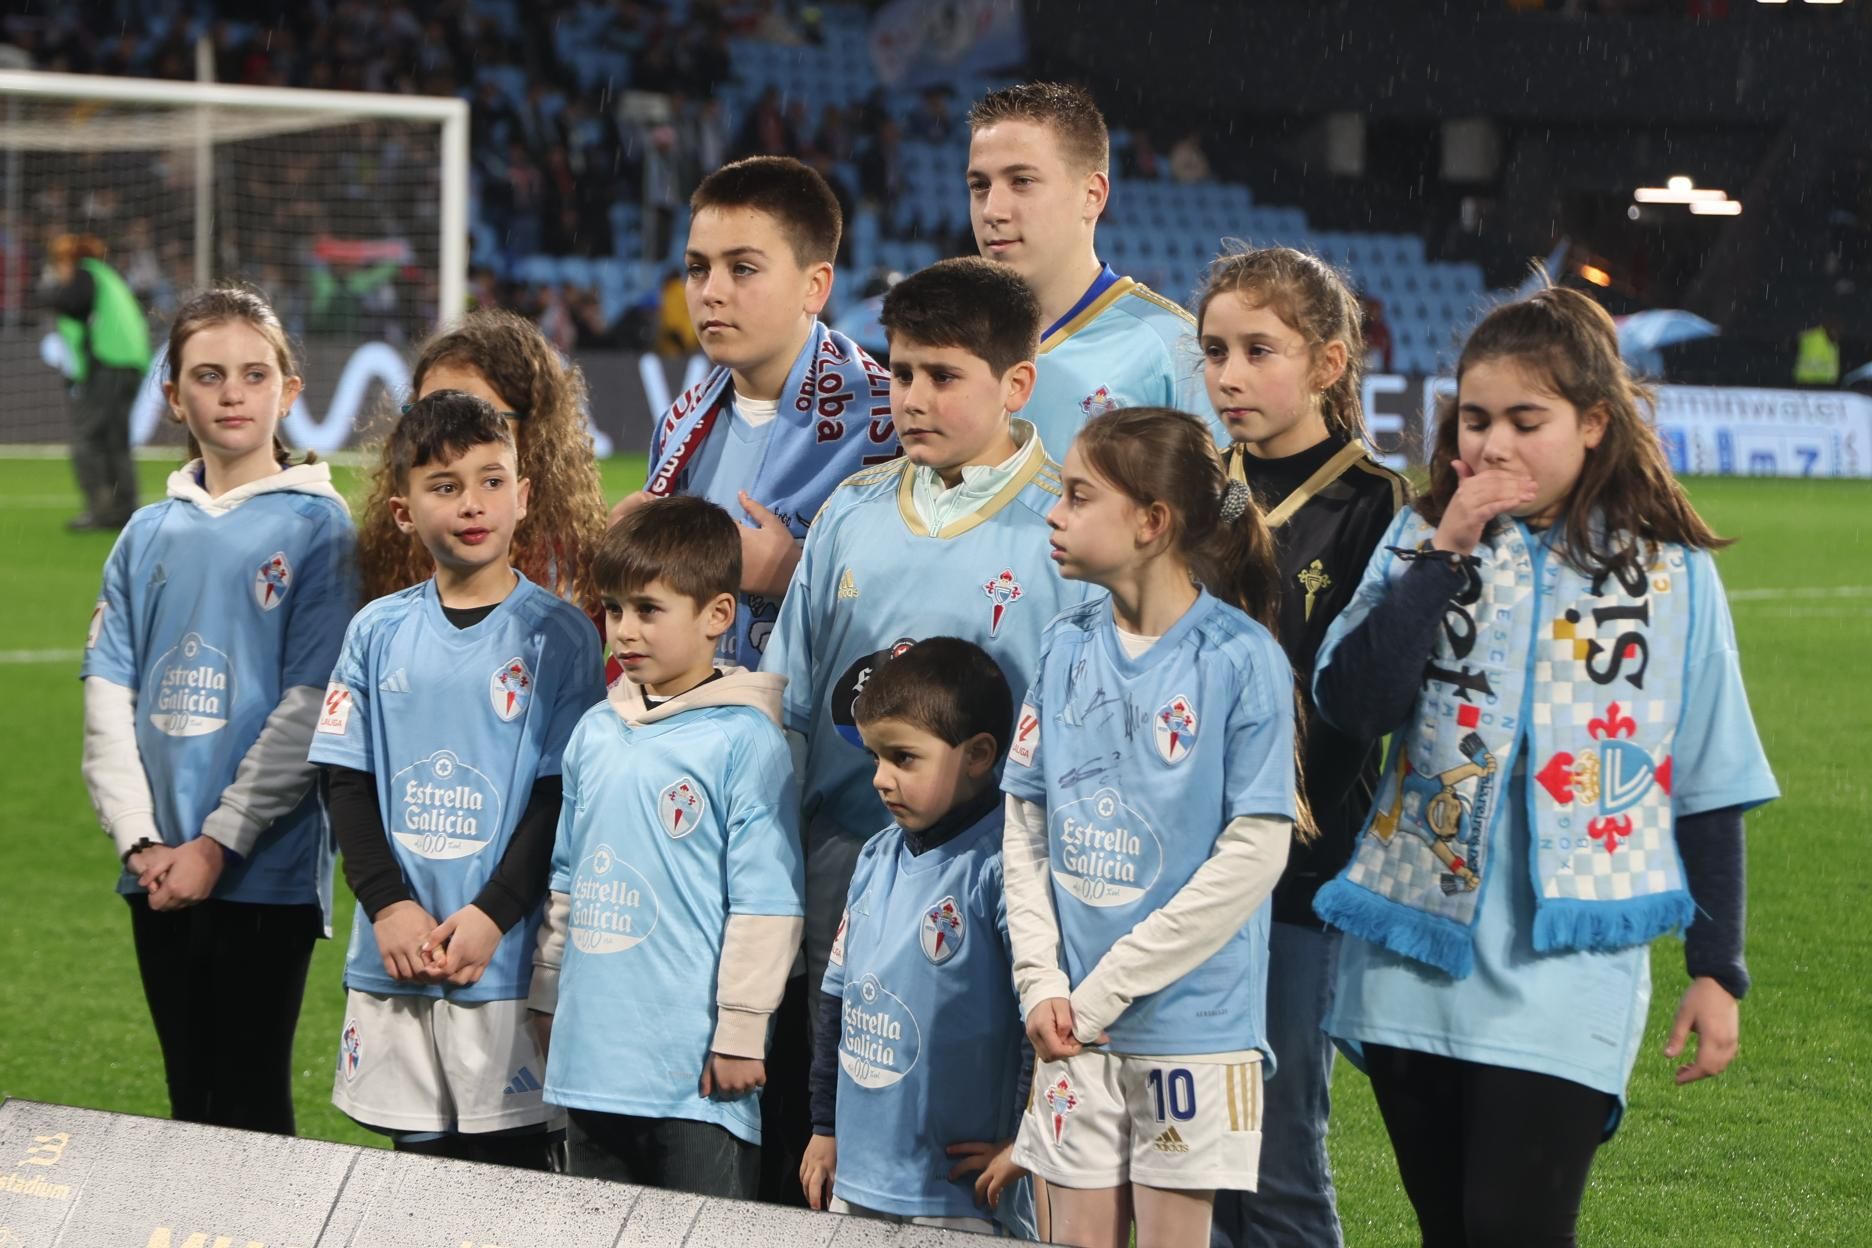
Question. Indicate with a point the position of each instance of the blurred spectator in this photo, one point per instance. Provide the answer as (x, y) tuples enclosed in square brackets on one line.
[(1141, 160), (1377, 335), (766, 132), (881, 176), (1188, 163), (1817, 356), (931, 122)]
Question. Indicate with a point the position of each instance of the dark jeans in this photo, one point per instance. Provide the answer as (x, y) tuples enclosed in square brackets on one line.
[(1490, 1157), (1294, 1204), (677, 1154), (100, 450), (786, 1101), (224, 981)]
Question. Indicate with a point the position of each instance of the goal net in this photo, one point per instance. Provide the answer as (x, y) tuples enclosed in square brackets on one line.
[(348, 210)]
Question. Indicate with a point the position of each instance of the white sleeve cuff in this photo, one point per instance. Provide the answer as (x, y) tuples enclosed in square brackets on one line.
[(1033, 928)]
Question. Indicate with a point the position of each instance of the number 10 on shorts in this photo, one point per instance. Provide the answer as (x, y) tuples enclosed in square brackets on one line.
[(1175, 1090)]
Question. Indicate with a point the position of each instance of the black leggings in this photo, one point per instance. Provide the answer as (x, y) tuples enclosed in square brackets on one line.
[(1489, 1156), (224, 981)]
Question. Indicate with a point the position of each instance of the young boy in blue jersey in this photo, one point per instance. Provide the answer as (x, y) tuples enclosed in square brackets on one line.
[(951, 541), (790, 407), (675, 910), (1039, 179), (917, 1057), (442, 732)]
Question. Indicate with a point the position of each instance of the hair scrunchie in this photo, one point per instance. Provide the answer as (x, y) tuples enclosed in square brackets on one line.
[(1235, 501)]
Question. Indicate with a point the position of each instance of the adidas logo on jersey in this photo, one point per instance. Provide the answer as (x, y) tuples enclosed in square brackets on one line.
[(523, 1082), (848, 588), (395, 682), (1170, 1142)]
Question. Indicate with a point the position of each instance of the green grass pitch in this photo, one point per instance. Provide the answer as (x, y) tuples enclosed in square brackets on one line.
[(1775, 1152)]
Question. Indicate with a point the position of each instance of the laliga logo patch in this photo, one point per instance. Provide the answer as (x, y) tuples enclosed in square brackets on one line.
[(1175, 729), (1060, 1100), (1003, 591), (1026, 736), (1099, 402), (509, 688), (679, 808), (837, 957), (941, 931), (272, 581), (350, 1050)]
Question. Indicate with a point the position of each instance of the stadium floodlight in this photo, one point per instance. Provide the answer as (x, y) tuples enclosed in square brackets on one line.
[(1673, 194), (349, 209)]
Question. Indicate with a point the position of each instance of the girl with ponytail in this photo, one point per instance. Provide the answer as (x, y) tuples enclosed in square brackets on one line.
[(1151, 803), (1282, 358)]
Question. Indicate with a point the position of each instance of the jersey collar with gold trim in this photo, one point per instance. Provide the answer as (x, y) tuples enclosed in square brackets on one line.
[(1033, 468), (1106, 289), (1325, 475)]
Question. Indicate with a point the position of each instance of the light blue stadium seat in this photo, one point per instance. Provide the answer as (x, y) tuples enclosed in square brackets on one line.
[(536, 270)]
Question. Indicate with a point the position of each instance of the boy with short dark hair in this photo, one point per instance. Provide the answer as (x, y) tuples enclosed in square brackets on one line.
[(442, 732), (917, 1062), (791, 407), (675, 908), (1039, 179), (950, 540)]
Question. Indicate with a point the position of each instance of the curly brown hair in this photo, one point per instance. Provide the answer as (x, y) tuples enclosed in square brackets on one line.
[(1564, 338), (566, 514)]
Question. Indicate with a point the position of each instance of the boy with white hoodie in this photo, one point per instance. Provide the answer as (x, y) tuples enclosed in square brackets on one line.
[(676, 897)]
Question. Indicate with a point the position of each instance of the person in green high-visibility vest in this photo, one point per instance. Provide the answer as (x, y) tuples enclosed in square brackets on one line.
[(107, 347)]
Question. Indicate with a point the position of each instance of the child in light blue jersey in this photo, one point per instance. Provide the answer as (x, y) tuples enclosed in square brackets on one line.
[(1547, 641), (442, 730), (917, 1059), (675, 909), (790, 407), (1151, 805), (1039, 179), (950, 540), (213, 636)]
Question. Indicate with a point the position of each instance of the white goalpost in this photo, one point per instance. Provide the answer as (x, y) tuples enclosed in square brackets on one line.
[(349, 209)]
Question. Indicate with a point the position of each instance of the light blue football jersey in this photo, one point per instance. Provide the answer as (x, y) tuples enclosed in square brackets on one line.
[(873, 578), (724, 466), (668, 828), (1124, 346), (210, 614), (1576, 1014), (1140, 764), (456, 724), (929, 1051)]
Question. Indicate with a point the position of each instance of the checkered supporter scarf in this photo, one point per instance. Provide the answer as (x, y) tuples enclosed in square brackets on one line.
[(835, 418), (1593, 666)]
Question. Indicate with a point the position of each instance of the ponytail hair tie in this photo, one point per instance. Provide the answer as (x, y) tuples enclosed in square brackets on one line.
[(1234, 502)]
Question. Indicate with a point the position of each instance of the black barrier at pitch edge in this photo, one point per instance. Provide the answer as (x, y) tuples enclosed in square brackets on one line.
[(82, 1178)]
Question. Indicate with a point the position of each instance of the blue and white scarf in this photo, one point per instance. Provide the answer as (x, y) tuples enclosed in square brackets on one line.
[(834, 417), (1588, 672)]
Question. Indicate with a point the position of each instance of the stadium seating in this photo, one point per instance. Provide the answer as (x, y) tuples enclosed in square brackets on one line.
[(1161, 232)]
